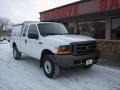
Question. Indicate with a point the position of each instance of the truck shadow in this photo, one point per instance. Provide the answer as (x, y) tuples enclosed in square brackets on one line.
[(64, 72), (75, 71)]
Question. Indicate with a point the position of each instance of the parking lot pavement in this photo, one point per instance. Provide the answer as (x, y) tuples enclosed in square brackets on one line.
[(25, 74)]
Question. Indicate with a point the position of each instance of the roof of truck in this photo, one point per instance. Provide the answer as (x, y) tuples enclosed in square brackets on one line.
[(31, 22)]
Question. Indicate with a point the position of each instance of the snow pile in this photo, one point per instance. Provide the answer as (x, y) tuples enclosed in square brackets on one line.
[(3, 42), (25, 74)]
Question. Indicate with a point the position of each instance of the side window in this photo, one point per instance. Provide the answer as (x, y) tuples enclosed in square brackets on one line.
[(32, 32), (25, 30)]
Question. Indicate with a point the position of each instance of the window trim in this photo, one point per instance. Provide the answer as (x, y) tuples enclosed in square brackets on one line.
[(103, 40), (26, 30)]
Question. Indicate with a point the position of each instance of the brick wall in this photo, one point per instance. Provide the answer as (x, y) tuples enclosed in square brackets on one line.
[(109, 49)]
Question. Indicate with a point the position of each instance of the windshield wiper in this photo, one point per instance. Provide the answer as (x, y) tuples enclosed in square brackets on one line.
[(46, 34), (51, 34), (65, 34)]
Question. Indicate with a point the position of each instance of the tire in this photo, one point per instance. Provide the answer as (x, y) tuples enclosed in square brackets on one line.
[(16, 53), (50, 68)]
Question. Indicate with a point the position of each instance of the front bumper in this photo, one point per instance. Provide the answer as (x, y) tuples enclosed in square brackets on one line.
[(71, 61)]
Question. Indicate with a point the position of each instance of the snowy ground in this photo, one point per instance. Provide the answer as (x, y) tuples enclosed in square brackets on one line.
[(25, 74)]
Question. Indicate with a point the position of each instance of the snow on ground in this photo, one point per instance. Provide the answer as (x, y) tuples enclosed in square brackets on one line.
[(25, 74)]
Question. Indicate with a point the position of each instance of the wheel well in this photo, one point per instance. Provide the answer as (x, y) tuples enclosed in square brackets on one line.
[(44, 52), (14, 45)]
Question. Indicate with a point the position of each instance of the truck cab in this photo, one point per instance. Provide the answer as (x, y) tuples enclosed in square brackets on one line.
[(54, 46)]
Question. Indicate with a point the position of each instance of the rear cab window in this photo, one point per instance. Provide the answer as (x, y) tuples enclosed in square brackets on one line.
[(16, 30)]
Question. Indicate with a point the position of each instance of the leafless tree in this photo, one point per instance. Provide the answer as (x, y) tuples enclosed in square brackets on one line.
[(4, 24)]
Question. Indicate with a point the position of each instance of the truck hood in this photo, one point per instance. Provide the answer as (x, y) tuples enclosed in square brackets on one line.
[(67, 39)]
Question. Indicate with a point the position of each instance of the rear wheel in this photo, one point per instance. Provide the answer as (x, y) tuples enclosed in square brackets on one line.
[(16, 53), (50, 68)]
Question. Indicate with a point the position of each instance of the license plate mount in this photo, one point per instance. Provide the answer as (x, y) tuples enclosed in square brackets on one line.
[(89, 61)]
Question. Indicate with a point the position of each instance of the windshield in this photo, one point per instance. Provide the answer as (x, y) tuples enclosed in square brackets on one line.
[(52, 29)]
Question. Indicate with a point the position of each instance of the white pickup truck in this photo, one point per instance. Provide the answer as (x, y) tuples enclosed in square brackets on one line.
[(52, 44)]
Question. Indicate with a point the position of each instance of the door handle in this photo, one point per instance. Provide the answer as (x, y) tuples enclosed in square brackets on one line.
[(40, 42), (25, 41)]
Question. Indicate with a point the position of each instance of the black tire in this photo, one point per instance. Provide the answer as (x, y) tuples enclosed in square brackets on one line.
[(54, 70), (16, 53)]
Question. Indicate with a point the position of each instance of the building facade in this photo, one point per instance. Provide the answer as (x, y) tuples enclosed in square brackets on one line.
[(97, 18)]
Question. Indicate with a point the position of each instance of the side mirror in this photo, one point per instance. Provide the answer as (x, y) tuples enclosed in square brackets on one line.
[(8, 40), (33, 36)]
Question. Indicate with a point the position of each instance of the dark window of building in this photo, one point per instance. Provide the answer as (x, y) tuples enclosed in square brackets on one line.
[(115, 33), (65, 24), (94, 29), (70, 27)]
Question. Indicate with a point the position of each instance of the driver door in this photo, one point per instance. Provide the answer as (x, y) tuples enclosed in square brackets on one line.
[(33, 46)]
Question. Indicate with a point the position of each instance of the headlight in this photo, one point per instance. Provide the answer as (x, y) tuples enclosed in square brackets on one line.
[(63, 50)]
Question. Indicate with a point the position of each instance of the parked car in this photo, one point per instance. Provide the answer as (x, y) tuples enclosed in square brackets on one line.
[(2, 38), (52, 44)]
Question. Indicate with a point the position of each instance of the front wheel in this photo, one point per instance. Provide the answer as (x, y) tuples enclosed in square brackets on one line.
[(50, 68)]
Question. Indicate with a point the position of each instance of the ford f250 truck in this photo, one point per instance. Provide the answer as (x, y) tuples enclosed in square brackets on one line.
[(52, 44)]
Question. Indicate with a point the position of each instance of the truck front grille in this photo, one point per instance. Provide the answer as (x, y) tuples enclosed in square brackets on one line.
[(83, 48)]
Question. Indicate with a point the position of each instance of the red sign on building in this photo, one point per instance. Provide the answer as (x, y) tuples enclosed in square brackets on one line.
[(62, 12), (108, 4), (92, 6)]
